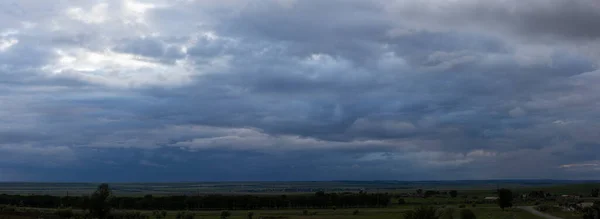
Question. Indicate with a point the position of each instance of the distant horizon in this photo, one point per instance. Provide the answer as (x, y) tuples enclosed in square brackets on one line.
[(274, 181)]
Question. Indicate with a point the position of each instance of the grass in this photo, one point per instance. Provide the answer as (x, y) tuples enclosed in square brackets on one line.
[(496, 213), (565, 214)]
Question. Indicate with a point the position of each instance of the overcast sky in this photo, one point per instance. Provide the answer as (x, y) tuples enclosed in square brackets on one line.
[(184, 90)]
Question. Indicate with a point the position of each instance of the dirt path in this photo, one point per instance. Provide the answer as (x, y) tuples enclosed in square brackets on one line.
[(532, 210)]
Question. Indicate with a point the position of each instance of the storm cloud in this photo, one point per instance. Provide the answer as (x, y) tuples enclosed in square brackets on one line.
[(299, 90)]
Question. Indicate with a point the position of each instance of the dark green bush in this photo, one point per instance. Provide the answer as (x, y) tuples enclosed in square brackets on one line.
[(422, 212), (467, 214), (8, 209), (64, 213), (225, 214), (401, 201)]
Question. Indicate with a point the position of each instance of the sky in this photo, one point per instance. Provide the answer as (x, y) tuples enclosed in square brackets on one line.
[(260, 90)]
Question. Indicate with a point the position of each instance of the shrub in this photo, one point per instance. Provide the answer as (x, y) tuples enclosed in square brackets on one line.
[(128, 215), (355, 212), (185, 215), (401, 201), (304, 212), (334, 208), (225, 214), (474, 205), (467, 214), (446, 213), (542, 208), (250, 215), (462, 206), (547, 208), (190, 216), (64, 213), (8, 209), (422, 212), (313, 213), (82, 216)]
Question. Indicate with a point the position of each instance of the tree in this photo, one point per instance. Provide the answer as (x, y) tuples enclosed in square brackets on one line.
[(100, 201), (422, 212), (467, 214), (419, 191), (250, 215), (505, 198), (595, 192), (453, 193)]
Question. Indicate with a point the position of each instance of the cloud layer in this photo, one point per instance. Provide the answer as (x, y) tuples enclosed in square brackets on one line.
[(298, 90)]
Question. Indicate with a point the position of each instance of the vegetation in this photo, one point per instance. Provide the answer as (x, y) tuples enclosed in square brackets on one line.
[(438, 204), (467, 214), (65, 213), (453, 193), (100, 201), (446, 213), (505, 198), (591, 212), (225, 214), (401, 201), (422, 212)]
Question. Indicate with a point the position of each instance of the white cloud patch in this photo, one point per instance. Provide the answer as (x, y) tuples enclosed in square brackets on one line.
[(5, 44), (95, 15), (517, 112), (118, 69)]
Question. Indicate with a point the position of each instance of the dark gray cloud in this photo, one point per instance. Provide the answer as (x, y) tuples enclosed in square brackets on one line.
[(330, 89)]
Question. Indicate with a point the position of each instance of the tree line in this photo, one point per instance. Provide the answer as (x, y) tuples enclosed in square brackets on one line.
[(204, 202)]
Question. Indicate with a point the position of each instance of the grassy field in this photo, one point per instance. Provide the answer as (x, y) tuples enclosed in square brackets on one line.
[(565, 214)]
